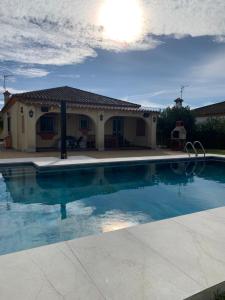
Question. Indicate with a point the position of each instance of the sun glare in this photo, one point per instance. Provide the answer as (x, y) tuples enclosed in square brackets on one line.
[(121, 20)]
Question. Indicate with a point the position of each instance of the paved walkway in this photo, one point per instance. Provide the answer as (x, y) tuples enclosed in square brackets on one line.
[(169, 259)]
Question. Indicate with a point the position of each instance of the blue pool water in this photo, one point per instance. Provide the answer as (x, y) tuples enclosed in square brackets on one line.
[(38, 209)]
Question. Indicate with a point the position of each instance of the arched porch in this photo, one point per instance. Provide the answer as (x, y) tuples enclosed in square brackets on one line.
[(80, 132), (126, 132)]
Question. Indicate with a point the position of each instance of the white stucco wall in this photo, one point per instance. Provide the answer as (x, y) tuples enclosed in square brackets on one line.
[(13, 115), (29, 140), (200, 120)]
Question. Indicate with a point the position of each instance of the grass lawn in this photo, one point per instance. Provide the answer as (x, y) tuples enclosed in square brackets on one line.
[(216, 151)]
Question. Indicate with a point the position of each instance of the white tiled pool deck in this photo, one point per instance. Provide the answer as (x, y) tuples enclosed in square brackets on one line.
[(169, 259), (82, 160)]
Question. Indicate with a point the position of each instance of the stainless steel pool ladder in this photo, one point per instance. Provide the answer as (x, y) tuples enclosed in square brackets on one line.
[(201, 146), (194, 148)]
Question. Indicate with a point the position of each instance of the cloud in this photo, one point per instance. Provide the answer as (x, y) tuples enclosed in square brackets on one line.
[(24, 71), (181, 18), (149, 94), (59, 32), (30, 72), (220, 39), (71, 76), (144, 100), (211, 68)]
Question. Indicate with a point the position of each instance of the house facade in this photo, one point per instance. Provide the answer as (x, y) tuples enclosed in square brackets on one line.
[(204, 113), (31, 121)]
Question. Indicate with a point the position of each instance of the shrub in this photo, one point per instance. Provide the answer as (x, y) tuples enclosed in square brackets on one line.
[(211, 133)]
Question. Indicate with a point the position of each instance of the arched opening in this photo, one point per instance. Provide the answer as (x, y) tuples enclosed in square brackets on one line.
[(125, 132), (47, 131), (80, 132)]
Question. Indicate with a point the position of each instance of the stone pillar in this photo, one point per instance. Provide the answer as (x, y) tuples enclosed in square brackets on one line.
[(100, 132), (151, 124)]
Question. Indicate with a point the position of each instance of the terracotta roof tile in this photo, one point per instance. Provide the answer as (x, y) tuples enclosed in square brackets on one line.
[(73, 95), (211, 110)]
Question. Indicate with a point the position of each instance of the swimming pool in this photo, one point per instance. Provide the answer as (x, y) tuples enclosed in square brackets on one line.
[(43, 208)]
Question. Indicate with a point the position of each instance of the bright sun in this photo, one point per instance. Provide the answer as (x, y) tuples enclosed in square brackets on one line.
[(121, 20)]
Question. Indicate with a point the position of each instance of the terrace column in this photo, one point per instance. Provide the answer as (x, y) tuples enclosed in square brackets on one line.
[(63, 130), (28, 124), (100, 132), (151, 124)]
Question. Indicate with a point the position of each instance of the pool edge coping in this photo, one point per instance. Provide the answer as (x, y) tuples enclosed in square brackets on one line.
[(46, 163)]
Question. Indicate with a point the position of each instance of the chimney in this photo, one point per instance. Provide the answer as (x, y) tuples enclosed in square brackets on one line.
[(6, 96), (178, 102)]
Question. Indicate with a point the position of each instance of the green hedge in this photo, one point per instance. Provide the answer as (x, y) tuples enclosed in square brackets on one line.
[(211, 133)]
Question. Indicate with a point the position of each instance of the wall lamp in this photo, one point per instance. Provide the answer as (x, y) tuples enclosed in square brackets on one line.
[(31, 113)]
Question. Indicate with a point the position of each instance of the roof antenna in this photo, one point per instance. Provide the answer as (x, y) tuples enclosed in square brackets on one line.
[(182, 90), (5, 76)]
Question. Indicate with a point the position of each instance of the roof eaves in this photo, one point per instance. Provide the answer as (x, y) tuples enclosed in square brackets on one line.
[(94, 106)]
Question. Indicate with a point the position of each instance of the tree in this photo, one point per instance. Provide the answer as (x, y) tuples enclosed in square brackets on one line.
[(167, 122)]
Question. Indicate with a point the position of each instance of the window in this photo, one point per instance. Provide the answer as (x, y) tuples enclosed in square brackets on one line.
[(47, 124), (84, 123), (140, 127)]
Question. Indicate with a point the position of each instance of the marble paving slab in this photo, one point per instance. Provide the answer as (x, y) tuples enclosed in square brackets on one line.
[(169, 259)]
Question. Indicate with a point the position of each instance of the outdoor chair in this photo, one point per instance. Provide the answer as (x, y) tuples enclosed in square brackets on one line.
[(71, 142), (79, 141)]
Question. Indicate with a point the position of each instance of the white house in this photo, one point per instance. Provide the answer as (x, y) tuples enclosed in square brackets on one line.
[(204, 113), (32, 121)]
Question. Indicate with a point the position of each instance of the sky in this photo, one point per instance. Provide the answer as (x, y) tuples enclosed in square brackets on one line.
[(137, 50)]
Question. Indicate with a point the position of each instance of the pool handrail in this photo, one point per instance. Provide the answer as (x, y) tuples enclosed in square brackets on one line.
[(193, 147), (201, 146)]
